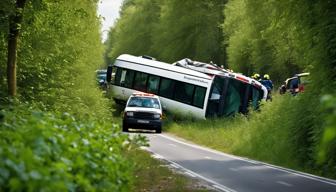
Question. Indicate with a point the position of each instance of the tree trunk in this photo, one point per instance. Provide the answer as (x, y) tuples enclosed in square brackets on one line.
[(14, 28)]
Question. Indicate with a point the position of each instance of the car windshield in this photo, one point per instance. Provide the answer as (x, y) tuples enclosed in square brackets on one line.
[(304, 79), (101, 74), (146, 102)]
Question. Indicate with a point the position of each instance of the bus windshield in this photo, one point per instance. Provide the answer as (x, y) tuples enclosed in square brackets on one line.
[(230, 96)]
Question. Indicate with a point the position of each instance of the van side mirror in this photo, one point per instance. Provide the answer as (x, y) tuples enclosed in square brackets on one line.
[(109, 73)]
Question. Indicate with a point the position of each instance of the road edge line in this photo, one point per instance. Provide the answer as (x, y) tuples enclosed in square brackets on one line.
[(287, 170), (214, 183)]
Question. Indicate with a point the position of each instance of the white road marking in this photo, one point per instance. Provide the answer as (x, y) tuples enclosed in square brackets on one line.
[(284, 183), (143, 148), (190, 174), (294, 172), (172, 145), (157, 156), (223, 189), (207, 157), (173, 165), (218, 186)]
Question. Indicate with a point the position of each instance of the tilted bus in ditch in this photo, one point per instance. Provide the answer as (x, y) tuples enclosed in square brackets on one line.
[(185, 90)]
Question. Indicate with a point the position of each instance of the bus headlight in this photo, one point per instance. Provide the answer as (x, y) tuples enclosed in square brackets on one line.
[(129, 114), (157, 116)]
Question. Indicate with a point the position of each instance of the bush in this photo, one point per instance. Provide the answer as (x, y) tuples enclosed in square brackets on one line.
[(56, 152)]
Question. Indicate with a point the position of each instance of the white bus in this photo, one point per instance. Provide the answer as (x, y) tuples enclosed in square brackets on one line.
[(183, 90)]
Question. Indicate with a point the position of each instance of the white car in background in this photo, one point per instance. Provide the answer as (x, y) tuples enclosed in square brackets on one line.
[(143, 111)]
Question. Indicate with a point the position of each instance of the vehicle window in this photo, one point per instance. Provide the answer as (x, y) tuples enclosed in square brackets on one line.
[(166, 88), (117, 76), (129, 79), (233, 97), (256, 96), (153, 84), (288, 84), (217, 89), (184, 92), (215, 96), (199, 96), (113, 75), (144, 102), (140, 81), (304, 79)]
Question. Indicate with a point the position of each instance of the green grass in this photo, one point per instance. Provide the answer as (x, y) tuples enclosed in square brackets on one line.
[(151, 175), (264, 135)]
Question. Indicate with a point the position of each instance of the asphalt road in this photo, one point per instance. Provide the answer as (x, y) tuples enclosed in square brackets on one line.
[(231, 173)]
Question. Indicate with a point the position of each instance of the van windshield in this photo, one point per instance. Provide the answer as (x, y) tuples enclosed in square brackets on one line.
[(145, 102)]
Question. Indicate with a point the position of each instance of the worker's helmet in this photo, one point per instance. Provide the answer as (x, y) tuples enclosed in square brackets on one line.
[(266, 76), (256, 76)]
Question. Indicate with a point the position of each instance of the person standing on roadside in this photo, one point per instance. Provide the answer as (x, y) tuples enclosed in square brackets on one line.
[(266, 81), (294, 85)]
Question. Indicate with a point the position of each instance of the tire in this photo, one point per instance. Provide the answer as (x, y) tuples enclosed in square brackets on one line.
[(124, 128), (158, 130)]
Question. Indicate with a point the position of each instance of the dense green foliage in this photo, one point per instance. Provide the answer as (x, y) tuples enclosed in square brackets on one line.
[(169, 30), (42, 151), (58, 54), (280, 38), (57, 135)]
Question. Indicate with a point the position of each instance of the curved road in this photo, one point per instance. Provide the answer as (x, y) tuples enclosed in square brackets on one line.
[(231, 173)]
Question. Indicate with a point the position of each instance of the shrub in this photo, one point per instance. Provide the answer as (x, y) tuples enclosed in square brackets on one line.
[(56, 152)]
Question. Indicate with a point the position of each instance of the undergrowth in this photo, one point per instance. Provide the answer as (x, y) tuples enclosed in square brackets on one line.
[(55, 151), (276, 134)]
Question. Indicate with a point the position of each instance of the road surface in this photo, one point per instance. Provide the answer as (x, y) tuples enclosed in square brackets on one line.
[(231, 173)]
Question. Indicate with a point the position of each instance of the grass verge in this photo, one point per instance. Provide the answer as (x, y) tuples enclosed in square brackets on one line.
[(266, 136), (152, 175)]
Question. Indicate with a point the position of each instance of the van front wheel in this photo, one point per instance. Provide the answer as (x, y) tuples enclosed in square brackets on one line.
[(124, 128), (158, 130)]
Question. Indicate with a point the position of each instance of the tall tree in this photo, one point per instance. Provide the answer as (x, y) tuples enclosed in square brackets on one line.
[(190, 29), (134, 30), (15, 22)]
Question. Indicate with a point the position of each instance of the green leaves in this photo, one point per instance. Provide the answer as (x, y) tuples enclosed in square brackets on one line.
[(169, 30), (45, 151)]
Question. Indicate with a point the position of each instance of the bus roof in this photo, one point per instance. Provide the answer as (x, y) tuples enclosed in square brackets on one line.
[(162, 65)]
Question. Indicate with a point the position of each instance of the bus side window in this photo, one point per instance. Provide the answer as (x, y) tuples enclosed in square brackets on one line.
[(123, 77), (166, 88), (153, 84), (129, 78), (199, 96), (140, 81), (117, 76), (184, 92)]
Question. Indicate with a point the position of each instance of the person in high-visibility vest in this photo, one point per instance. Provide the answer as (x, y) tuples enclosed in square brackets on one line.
[(266, 81)]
